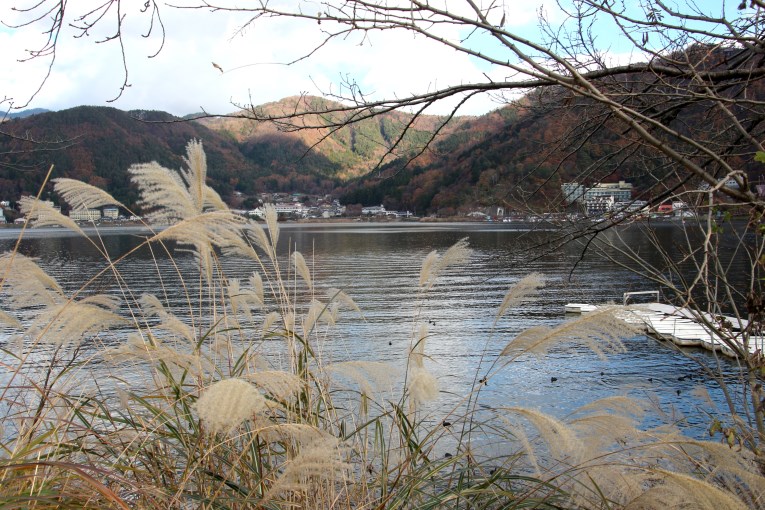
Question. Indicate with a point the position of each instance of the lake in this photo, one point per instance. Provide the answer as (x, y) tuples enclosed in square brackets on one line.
[(378, 265)]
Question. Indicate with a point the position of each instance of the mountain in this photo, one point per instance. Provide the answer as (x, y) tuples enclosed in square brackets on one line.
[(26, 113), (98, 144), (473, 161), (346, 152)]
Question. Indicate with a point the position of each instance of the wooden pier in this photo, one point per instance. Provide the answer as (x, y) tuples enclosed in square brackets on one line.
[(679, 325)]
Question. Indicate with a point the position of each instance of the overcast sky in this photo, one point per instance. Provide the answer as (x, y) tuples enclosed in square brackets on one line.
[(182, 79)]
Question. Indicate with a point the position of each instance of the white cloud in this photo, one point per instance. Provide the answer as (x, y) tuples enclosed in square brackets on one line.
[(182, 79)]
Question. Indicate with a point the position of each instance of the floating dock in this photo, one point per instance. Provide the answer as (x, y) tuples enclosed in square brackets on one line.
[(680, 325)]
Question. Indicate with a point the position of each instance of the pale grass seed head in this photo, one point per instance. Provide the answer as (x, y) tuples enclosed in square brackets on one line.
[(524, 290), (26, 283), (434, 265), (243, 300), (288, 320), (9, 320), (319, 465), (302, 268), (152, 306), (43, 214), (600, 331), (79, 194), (71, 322), (340, 297), (370, 376), (202, 232), (272, 222), (280, 385), (559, 439), (681, 491), (417, 352), (226, 404), (268, 322), (256, 283), (257, 235), (164, 198), (169, 196), (315, 310), (422, 385), (154, 351)]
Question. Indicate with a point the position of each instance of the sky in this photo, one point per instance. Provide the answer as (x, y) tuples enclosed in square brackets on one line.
[(182, 79)]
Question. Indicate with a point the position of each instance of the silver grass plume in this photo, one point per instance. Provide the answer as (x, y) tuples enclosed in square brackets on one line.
[(43, 214), (154, 351), (9, 320), (81, 195), (601, 331), (560, 440), (226, 404), (279, 384), (273, 224), (340, 297), (434, 265), (70, 322), (315, 311), (257, 235), (676, 490), (169, 196), (318, 464), (27, 284), (202, 232), (243, 300), (268, 322), (524, 290), (302, 268), (169, 322), (422, 385), (370, 376)]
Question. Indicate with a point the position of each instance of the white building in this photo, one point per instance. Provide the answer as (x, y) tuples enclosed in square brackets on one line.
[(295, 208), (374, 210), (83, 214), (111, 211), (574, 192)]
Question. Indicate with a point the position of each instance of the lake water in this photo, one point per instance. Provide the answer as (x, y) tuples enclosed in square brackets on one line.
[(378, 265)]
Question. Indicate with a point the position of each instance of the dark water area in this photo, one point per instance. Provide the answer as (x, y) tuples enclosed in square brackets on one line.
[(378, 265)]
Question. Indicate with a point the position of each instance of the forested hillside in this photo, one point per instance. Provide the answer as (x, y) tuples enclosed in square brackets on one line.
[(514, 157)]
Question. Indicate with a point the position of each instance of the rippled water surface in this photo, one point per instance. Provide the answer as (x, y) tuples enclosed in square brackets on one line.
[(379, 266)]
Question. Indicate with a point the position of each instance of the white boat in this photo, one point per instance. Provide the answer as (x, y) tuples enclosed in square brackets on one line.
[(579, 308)]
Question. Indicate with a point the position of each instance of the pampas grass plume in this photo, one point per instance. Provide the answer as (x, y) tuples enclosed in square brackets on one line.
[(80, 194), (227, 404), (43, 214), (522, 291), (434, 265), (422, 385), (302, 268)]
